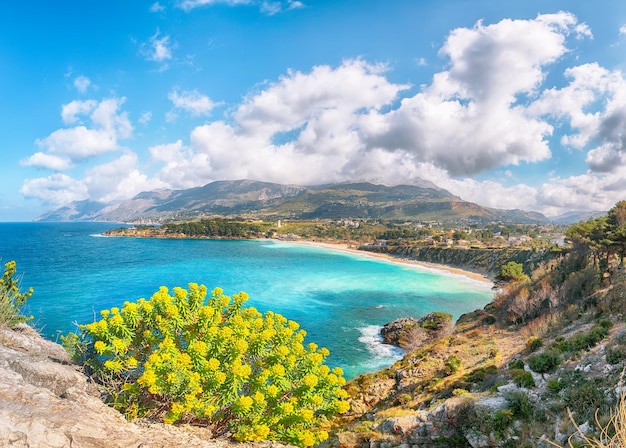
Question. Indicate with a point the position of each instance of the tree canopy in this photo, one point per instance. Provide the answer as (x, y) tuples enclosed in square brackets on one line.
[(603, 237), (512, 272)]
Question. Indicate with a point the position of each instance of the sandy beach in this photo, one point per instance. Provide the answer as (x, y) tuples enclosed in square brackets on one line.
[(343, 247)]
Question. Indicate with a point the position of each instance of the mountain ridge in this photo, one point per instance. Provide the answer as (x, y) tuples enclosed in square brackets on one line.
[(254, 199)]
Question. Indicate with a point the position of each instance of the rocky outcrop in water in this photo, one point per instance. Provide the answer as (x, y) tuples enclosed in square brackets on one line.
[(45, 401), (410, 334)]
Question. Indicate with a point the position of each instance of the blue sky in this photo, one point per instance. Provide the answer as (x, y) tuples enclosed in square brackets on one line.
[(516, 104)]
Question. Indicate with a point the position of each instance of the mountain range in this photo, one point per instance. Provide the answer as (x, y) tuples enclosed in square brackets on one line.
[(253, 199)]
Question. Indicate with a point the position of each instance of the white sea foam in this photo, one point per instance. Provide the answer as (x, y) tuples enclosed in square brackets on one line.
[(381, 354)]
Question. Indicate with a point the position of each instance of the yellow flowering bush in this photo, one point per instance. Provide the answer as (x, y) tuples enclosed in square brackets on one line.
[(183, 357), (12, 299)]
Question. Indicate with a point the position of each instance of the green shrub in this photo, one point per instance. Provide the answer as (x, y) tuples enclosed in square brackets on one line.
[(595, 335), (561, 345), (522, 378), (545, 362), (183, 359), (520, 404), (585, 397), (437, 321), (501, 421), (489, 320), (534, 343), (454, 441), (615, 355), (585, 341), (554, 386), (12, 300), (451, 364), (516, 364), (482, 376)]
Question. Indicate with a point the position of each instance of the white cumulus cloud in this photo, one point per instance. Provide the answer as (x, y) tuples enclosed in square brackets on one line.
[(108, 182), (594, 105), (470, 118), (55, 190), (82, 83), (345, 123), (71, 111), (159, 48), (191, 101), (47, 161), (119, 179), (106, 127), (303, 128)]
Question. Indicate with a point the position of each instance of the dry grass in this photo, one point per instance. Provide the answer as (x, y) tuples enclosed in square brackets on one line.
[(542, 325)]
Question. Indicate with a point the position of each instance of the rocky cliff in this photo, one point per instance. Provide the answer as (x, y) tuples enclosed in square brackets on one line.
[(483, 261), (45, 401)]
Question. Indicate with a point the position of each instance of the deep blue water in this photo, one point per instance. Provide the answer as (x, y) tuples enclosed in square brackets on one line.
[(340, 299)]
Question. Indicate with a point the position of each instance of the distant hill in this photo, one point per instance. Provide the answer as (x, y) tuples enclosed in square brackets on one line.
[(576, 216), (75, 211), (252, 199)]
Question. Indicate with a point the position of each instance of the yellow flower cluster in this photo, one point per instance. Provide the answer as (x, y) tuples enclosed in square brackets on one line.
[(209, 356), (310, 380), (243, 404)]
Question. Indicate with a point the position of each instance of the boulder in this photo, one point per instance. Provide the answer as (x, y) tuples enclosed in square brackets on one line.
[(402, 425)]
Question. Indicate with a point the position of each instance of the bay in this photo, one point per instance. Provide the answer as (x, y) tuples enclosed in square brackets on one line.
[(341, 299)]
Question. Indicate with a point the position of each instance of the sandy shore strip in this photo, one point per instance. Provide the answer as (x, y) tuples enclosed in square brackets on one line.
[(343, 247)]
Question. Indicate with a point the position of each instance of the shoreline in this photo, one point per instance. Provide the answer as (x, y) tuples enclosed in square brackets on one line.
[(345, 248)]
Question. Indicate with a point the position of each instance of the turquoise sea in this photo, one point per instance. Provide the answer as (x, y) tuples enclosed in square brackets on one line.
[(340, 299)]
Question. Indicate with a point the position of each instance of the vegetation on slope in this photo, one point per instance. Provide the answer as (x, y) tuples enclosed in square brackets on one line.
[(550, 346), (217, 228)]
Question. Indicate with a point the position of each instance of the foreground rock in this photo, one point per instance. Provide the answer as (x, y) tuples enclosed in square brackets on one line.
[(46, 402)]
